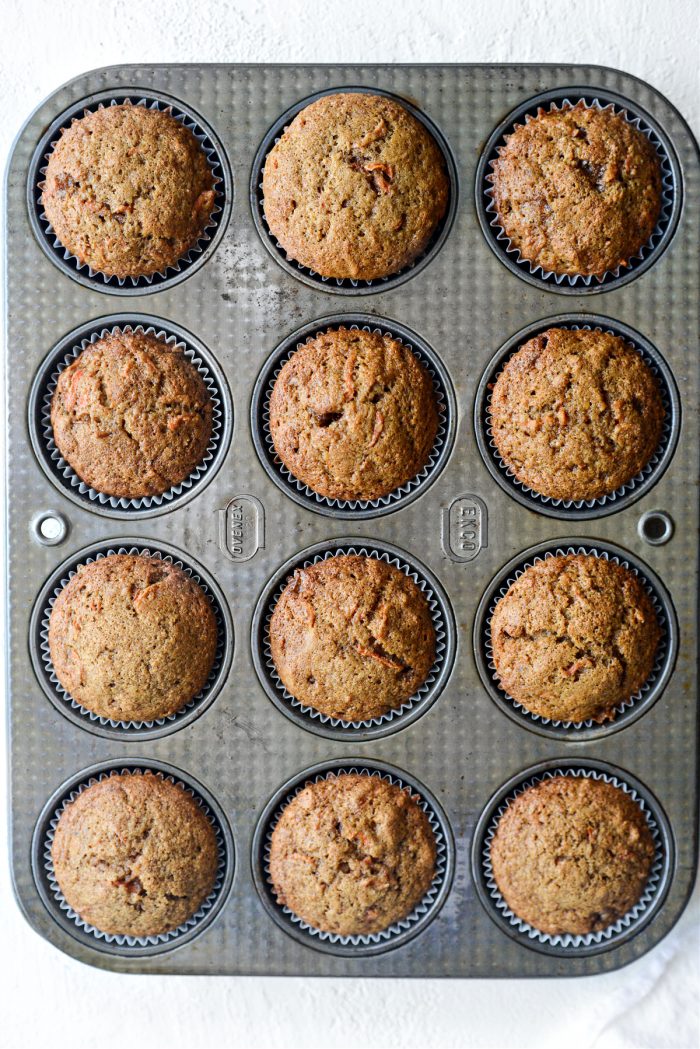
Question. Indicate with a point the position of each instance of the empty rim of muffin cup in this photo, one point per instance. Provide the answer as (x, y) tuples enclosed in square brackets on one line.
[(75, 711), (114, 944), (393, 720), (573, 944), (64, 477), (357, 945), (630, 491), (671, 192), (348, 285), (359, 509), (210, 236), (625, 712)]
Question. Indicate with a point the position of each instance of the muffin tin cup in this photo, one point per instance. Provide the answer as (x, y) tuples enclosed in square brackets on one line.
[(394, 720), (357, 509), (648, 254), (208, 240), (626, 712), (630, 491), (62, 475), (347, 285), (70, 921), (70, 707), (568, 944), (354, 946)]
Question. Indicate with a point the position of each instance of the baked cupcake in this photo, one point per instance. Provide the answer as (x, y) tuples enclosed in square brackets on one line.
[(355, 187), (353, 414), (128, 190), (134, 855), (352, 855), (352, 637), (131, 415), (132, 638), (577, 190), (576, 414), (574, 636), (572, 855)]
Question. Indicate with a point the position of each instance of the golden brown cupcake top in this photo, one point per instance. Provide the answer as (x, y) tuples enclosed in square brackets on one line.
[(577, 190), (128, 190), (352, 637), (572, 855), (352, 854), (131, 415), (134, 855), (574, 636), (576, 414), (353, 414), (132, 638), (355, 187)]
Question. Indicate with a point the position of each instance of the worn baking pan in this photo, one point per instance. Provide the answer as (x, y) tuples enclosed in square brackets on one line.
[(243, 747)]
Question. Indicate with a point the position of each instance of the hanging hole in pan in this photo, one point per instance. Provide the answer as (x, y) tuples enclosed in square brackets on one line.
[(50, 528), (655, 527)]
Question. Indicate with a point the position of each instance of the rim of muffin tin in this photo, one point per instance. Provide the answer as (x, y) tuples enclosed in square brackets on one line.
[(58, 471), (357, 509), (412, 709), (347, 285), (672, 192), (210, 237), (569, 945), (361, 945), (126, 731), (625, 713), (630, 491), (119, 945)]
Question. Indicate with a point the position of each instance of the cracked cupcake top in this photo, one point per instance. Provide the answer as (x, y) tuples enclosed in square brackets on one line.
[(352, 854), (576, 414), (572, 855), (353, 414), (355, 187), (574, 636), (131, 415), (128, 190), (352, 637), (132, 637), (134, 855), (577, 190)]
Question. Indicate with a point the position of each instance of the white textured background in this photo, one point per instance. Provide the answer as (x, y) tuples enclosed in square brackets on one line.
[(47, 999)]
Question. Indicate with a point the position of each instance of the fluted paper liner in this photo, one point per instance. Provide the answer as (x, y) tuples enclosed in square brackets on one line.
[(125, 942), (424, 693), (661, 651), (171, 719), (66, 471), (572, 941), (419, 912)]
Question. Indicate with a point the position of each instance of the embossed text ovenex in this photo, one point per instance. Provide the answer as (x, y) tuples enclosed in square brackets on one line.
[(237, 306)]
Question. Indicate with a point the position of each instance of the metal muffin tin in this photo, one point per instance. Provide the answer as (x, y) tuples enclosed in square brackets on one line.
[(241, 301)]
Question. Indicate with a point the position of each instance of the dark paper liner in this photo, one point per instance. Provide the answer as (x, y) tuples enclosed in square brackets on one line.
[(569, 944), (62, 475), (372, 943), (630, 491), (70, 707), (195, 257), (625, 712), (346, 285), (393, 720), (578, 284), (71, 922), (358, 509)]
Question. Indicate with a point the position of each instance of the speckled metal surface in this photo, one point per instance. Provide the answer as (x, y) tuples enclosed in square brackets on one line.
[(241, 304)]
